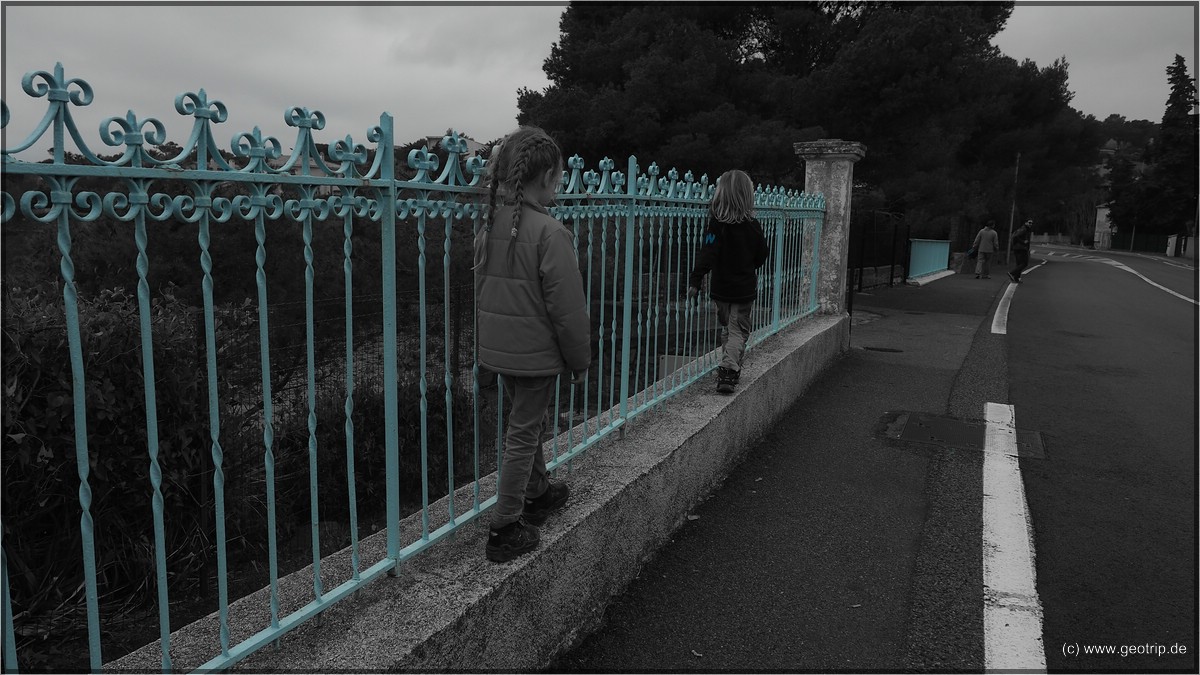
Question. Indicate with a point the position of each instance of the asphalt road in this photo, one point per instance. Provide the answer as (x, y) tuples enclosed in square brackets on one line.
[(836, 546), (1104, 364)]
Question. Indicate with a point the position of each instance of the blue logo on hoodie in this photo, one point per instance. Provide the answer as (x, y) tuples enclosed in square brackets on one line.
[(710, 238)]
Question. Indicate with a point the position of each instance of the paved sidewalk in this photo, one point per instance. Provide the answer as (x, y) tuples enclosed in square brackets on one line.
[(832, 546)]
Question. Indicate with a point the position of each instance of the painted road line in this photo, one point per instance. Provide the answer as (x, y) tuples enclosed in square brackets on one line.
[(1012, 612), (1122, 266), (1000, 318)]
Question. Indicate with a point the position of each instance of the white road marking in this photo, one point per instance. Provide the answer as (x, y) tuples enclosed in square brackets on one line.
[(1000, 318), (1165, 262), (1012, 611), (1123, 266)]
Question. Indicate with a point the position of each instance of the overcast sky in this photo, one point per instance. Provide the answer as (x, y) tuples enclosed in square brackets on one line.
[(439, 66)]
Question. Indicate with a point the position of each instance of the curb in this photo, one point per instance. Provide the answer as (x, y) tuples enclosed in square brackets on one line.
[(931, 277)]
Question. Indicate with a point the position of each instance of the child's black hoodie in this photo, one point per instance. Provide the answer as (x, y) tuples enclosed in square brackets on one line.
[(732, 251)]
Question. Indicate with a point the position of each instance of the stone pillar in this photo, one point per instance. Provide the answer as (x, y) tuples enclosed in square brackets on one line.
[(829, 170)]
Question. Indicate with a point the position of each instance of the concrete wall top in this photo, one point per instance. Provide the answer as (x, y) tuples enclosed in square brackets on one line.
[(830, 148)]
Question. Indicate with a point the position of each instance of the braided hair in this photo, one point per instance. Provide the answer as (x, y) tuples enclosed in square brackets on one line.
[(523, 155)]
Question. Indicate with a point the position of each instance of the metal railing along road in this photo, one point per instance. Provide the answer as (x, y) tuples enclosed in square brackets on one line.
[(637, 234), (927, 256)]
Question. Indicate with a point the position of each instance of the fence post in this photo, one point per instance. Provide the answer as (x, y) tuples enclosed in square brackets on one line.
[(391, 403), (829, 170), (777, 286), (627, 291)]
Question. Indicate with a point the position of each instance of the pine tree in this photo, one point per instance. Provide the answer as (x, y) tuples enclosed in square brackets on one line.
[(1175, 170)]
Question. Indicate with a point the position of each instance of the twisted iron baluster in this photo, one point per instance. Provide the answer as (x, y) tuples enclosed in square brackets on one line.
[(670, 312), (264, 351), (348, 269), (310, 337), (612, 371), (449, 378), (423, 371), (160, 544), (641, 248), (214, 421), (62, 200), (600, 327)]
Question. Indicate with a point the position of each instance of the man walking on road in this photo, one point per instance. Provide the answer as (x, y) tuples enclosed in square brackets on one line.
[(1020, 249), (986, 243)]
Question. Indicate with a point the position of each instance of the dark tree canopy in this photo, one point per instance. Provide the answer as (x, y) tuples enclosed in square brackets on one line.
[(713, 86)]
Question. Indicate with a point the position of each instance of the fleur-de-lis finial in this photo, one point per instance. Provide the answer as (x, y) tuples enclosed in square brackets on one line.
[(252, 145), (304, 118), (56, 86), (129, 132), (424, 162), (347, 150), (453, 143), (197, 105)]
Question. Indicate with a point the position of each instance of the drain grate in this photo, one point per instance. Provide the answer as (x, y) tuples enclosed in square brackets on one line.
[(884, 349), (952, 432)]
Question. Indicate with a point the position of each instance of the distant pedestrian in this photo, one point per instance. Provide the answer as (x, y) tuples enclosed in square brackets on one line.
[(986, 243), (1020, 249), (532, 325), (733, 248)]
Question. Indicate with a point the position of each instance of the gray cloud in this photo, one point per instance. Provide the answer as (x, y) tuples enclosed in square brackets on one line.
[(439, 66), (430, 66), (1118, 54)]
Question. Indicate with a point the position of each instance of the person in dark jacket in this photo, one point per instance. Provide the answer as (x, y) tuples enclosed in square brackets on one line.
[(733, 249), (1020, 249)]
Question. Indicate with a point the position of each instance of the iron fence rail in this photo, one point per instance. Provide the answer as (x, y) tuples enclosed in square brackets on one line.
[(637, 234)]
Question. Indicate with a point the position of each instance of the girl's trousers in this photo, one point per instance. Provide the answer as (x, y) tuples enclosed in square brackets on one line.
[(523, 467)]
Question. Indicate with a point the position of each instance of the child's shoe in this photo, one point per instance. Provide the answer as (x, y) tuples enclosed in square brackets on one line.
[(511, 541), (727, 379), (538, 509)]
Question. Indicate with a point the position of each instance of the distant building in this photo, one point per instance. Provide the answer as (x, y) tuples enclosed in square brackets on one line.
[(1102, 237), (473, 146), (1102, 234)]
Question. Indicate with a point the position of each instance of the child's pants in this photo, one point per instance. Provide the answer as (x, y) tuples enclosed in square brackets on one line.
[(734, 319), (523, 470)]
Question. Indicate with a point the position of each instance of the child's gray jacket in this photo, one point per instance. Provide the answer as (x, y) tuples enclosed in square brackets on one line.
[(532, 316)]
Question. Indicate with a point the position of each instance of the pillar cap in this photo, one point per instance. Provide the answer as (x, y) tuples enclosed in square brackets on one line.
[(830, 148)]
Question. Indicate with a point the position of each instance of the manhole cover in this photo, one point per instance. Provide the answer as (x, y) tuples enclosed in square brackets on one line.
[(952, 432)]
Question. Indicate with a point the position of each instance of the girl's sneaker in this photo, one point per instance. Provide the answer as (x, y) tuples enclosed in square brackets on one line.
[(511, 541), (538, 509), (727, 379)]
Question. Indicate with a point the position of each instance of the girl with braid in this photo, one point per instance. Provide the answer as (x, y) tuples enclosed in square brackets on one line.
[(532, 325)]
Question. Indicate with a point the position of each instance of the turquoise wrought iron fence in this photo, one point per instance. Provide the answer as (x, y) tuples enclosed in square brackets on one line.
[(637, 235)]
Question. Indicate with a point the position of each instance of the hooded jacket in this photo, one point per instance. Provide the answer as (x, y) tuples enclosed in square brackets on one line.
[(532, 317), (733, 251)]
